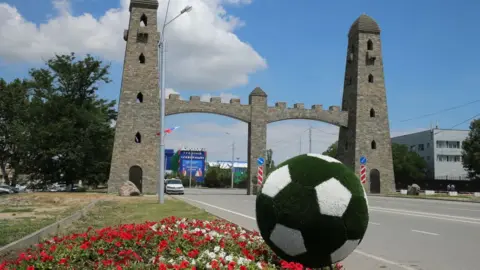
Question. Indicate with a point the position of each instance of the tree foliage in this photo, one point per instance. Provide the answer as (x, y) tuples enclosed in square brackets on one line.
[(406, 164), (331, 150), (65, 131), (471, 151), (14, 104)]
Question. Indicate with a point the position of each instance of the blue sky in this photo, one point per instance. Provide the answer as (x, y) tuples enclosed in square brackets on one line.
[(429, 47)]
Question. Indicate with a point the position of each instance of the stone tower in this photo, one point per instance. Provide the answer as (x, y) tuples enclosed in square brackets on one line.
[(135, 150), (364, 97)]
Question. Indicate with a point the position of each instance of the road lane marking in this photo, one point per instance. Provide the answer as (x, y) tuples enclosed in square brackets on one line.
[(356, 251), (374, 223), (461, 219), (424, 232)]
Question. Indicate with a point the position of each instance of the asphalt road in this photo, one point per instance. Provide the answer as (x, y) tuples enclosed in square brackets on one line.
[(403, 233)]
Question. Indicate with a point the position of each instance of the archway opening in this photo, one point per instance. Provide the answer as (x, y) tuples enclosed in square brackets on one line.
[(374, 181), (223, 139), (135, 175)]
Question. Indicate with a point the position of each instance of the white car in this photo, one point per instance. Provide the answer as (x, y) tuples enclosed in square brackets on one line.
[(6, 190), (174, 186)]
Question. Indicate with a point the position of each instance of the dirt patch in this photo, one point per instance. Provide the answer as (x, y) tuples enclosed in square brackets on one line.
[(26, 213)]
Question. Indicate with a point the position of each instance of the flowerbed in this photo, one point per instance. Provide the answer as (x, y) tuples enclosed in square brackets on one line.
[(171, 243)]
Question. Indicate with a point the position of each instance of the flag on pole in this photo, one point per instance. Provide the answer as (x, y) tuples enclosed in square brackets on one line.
[(168, 130)]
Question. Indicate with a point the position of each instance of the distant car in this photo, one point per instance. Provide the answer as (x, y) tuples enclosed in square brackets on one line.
[(4, 189), (174, 186)]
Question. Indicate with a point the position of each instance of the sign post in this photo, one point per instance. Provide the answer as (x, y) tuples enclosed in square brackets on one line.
[(363, 169), (260, 162)]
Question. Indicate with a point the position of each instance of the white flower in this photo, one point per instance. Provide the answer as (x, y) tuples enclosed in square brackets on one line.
[(212, 255), (216, 249), (229, 258), (222, 254), (193, 262), (259, 265), (242, 238)]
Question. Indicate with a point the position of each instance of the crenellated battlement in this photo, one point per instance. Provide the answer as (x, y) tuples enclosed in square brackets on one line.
[(233, 109), (242, 112), (333, 115)]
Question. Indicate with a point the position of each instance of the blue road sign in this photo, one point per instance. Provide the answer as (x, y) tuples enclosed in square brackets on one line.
[(363, 160), (260, 161)]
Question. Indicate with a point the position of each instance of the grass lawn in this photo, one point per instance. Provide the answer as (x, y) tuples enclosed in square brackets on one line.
[(23, 214), (123, 210)]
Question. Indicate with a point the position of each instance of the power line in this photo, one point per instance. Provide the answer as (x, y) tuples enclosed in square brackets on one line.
[(441, 111), (461, 123)]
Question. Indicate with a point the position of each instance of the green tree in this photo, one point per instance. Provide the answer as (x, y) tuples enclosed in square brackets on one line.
[(471, 151), (14, 105), (269, 162), (70, 134), (407, 164), (331, 150)]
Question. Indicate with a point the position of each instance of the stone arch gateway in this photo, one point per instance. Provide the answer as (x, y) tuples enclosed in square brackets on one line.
[(357, 128)]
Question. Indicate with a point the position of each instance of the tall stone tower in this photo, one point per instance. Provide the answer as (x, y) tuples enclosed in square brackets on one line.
[(364, 97), (135, 150)]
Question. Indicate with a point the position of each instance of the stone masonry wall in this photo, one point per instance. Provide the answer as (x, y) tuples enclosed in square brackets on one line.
[(357, 128)]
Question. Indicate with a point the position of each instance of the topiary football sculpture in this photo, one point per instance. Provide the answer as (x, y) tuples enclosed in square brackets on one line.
[(313, 210)]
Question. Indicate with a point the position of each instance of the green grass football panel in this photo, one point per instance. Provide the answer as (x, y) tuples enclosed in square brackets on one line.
[(266, 215), (312, 171), (356, 218), (296, 206)]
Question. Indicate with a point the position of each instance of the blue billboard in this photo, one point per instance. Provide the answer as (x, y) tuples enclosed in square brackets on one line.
[(193, 163), (168, 158)]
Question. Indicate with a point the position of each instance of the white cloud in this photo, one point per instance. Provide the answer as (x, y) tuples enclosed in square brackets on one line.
[(220, 59), (287, 138), (169, 91)]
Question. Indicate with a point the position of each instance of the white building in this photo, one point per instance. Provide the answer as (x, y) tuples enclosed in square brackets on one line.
[(441, 149), (223, 164)]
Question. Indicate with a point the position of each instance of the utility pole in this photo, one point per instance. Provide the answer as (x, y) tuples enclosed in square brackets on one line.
[(310, 139), (233, 161), (300, 146)]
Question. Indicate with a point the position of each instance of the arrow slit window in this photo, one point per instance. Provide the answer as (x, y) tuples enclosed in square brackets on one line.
[(138, 138), (374, 145)]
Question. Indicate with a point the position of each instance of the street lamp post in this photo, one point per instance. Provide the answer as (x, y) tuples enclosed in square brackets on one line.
[(233, 160), (161, 55)]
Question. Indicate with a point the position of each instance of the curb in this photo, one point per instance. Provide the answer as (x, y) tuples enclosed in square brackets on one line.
[(38, 236), (425, 198)]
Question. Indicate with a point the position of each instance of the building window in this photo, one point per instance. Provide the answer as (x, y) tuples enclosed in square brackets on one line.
[(143, 20), (141, 59), (372, 112), (374, 145), (421, 147), (448, 144), (449, 158), (369, 45), (370, 78), (441, 144)]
